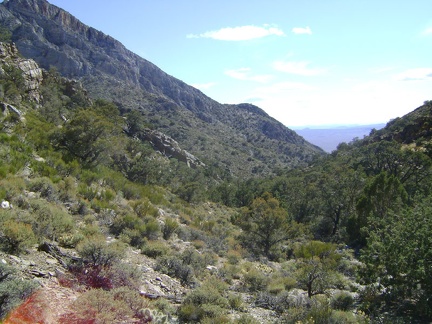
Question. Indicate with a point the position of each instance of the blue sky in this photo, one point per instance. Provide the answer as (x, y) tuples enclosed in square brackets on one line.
[(310, 62)]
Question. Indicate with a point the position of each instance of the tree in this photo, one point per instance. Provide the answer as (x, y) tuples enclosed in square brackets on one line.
[(398, 257), (318, 263), (265, 225), (87, 135)]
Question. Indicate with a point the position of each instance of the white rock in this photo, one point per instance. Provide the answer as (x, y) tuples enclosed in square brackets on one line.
[(5, 204)]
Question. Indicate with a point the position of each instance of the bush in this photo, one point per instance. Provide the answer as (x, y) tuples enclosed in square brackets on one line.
[(97, 252), (342, 301), (174, 267), (106, 307), (120, 305), (155, 249), (204, 302), (255, 280), (169, 228), (16, 236), (50, 221), (45, 187), (13, 290)]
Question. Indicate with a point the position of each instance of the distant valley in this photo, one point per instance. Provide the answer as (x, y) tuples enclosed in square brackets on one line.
[(329, 137)]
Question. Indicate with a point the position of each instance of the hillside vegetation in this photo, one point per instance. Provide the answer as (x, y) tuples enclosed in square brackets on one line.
[(336, 242)]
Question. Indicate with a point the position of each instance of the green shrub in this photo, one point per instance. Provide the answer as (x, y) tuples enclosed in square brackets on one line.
[(169, 228), (255, 280), (13, 290), (174, 267), (342, 301), (246, 319), (16, 236), (144, 207), (235, 301), (67, 189), (101, 307), (45, 187), (96, 251), (203, 302), (280, 283), (50, 221), (155, 249)]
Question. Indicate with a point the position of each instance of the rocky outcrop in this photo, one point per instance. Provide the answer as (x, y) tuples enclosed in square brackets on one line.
[(170, 148), (31, 72)]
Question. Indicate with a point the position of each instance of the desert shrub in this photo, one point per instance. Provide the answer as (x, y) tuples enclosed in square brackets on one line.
[(169, 228), (278, 303), (229, 272), (67, 189), (12, 188), (174, 267), (124, 275), (315, 313), (343, 317), (155, 249), (91, 276), (278, 284), (135, 228), (16, 236), (235, 301), (133, 237), (342, 301), (144, 207), (164, 306), (50, 221), (13, 290), (87, 192), (191, 257), (255, 280), (98, 306), (97, 252), (45, 187), (233, 256), (120, 305), (246, 319), (203, 302)]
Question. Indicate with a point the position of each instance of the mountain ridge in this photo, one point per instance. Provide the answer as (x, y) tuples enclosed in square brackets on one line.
[(242, 138)]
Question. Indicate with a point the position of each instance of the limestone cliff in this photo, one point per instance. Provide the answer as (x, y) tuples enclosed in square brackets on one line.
[(32, 74)]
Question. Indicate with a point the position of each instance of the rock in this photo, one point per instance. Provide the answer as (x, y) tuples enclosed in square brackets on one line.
[(164, 286), (31, 72), (51, 261), (15, 258), (211, 268), (5, 204), (169, 147), (39, 273)]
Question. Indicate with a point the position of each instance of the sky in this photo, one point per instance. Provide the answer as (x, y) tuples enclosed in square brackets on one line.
[(305, 62)]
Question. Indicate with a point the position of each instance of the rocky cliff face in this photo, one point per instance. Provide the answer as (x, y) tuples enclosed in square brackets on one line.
[(31, 72), (242, 138)]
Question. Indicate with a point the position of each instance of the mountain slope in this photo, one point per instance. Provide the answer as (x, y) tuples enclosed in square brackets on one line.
[(414, 128), (240, 138)]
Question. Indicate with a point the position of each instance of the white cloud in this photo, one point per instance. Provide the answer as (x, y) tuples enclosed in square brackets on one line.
[(240, 33), (244, 74), (427, 31), (299, 67), (282, 87), (302, 30), (415, 74), (204, 86)]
